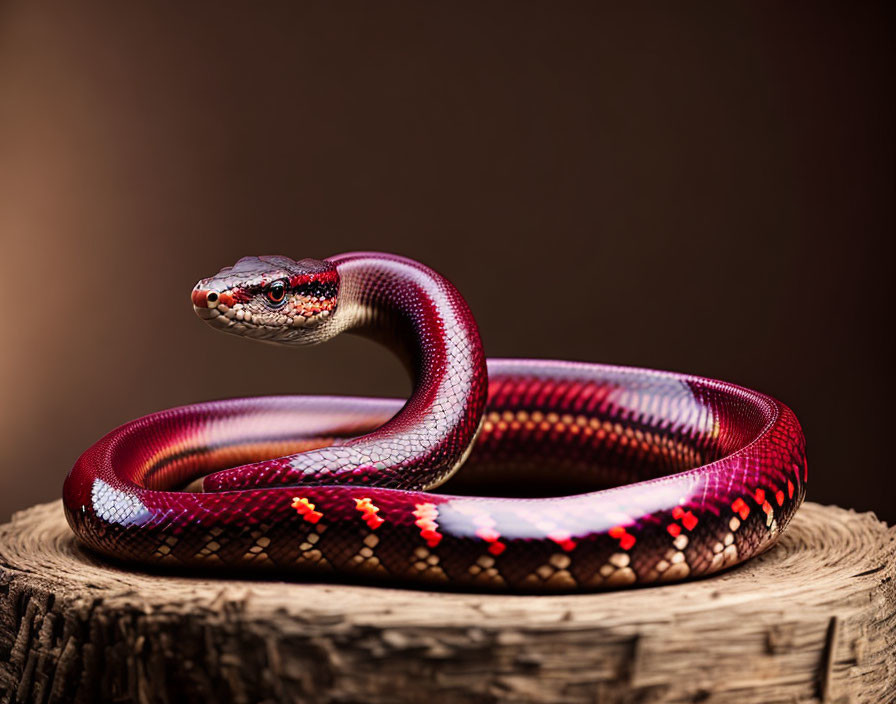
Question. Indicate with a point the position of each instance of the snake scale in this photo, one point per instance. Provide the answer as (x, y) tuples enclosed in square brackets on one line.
[(652, 476)]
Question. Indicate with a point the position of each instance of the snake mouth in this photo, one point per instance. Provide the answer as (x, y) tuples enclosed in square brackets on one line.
[(239, 319), (207, 313), (219, 316), (224, 316)]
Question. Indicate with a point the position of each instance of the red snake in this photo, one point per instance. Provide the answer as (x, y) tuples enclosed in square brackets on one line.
[(702, 474)]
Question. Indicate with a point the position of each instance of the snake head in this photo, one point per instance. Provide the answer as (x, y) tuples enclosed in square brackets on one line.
[(271, 298)]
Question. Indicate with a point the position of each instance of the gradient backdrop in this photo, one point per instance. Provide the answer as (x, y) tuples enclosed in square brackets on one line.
[(708, 188)]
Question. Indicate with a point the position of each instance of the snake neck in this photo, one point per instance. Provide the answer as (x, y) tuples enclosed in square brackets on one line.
[(422, 317), (409, 308)]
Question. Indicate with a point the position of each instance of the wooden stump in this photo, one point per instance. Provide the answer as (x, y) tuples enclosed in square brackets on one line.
[(814, 619)]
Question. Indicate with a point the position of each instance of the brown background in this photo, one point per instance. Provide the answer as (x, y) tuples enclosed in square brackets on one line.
[(707, 189)]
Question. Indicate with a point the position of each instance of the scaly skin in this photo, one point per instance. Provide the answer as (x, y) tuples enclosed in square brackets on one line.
[(719, 470)]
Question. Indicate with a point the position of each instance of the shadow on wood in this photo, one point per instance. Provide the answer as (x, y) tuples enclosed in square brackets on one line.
[(812, 620)]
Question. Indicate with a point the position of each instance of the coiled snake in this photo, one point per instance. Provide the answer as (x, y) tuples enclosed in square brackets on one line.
[(711, 473)]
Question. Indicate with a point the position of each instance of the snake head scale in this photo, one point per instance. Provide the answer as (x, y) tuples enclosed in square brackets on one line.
[(272, 298)]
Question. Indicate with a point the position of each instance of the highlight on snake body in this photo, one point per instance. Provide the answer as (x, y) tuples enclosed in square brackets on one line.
[(564, 475)]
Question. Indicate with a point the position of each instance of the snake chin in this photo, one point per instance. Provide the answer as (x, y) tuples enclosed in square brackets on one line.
[(288, 326)]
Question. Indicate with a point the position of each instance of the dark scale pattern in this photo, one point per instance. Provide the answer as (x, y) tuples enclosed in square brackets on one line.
[(704, 474)]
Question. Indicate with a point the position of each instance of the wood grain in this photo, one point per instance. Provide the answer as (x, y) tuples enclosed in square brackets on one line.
[(812, 620)]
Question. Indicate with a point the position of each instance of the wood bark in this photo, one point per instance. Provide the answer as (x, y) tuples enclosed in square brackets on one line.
[(812, 620)]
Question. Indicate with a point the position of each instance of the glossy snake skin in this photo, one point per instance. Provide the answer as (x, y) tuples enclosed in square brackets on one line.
[(702, 474)]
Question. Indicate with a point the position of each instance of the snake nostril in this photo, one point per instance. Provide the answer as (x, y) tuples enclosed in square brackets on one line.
[(212, 297)]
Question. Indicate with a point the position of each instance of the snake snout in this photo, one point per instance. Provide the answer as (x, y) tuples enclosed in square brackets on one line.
[(205, 297), (210, 304), (201, 297)]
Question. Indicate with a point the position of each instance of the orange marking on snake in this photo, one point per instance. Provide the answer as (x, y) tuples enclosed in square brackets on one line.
[(674, 529), (487, 532), (740, 507), (789, 489), (760, 496), (564, 540), (626, 539), (426, 515), (766, 506), (496, 548), (677, 512), (779, 497), (369, 511), (306, 509), (689, 520)]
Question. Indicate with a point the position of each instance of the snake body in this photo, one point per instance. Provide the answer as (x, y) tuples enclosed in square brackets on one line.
[(702, 474)]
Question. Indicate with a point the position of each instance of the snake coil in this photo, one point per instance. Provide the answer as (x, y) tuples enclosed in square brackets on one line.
[(703, 474)]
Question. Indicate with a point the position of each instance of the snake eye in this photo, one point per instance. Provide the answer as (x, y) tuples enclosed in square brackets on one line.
[(276, 292)]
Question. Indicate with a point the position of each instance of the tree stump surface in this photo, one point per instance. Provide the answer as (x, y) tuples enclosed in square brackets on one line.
[(812, 620)]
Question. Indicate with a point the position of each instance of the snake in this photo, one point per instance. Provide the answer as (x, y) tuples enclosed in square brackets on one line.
[(515, 475)]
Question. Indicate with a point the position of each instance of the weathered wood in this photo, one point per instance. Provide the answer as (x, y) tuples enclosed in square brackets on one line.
[(814, 619)]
